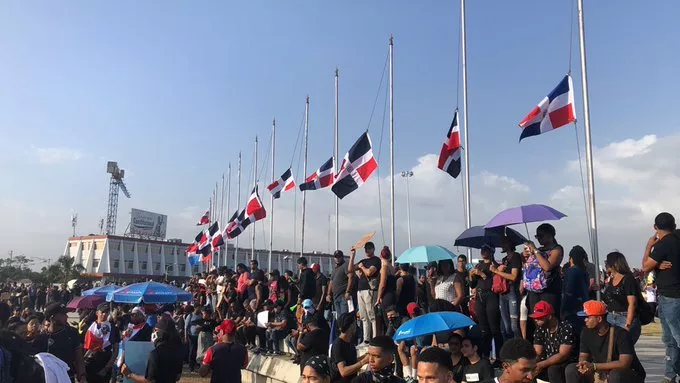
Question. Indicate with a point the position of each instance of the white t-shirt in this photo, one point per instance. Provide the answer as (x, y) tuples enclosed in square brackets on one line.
[(651, 294)]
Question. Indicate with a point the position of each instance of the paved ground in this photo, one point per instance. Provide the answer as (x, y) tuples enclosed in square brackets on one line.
[(652, 354)]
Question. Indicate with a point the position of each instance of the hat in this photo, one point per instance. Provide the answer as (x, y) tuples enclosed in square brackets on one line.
[(542, 309), (316, 267), (228, 326), (338, 254), (432, 264), (54, 309), (412, 308), (307, 304), (593, 308), (138, 309), (319, 363)]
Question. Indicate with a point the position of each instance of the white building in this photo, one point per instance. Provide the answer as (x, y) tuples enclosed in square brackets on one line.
[(129, 257)]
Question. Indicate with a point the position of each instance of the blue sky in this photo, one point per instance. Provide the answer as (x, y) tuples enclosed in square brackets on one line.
[(173, 90)]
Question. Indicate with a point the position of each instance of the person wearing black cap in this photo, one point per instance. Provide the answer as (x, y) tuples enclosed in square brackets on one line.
[(63, 341), (165, 361), (340, 285), (101, 343), (343, 352), (368, 288)]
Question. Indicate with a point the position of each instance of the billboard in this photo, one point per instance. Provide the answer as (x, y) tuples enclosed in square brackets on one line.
[(148, 224)]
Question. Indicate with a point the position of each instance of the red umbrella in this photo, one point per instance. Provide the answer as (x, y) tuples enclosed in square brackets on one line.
[(89, 302)]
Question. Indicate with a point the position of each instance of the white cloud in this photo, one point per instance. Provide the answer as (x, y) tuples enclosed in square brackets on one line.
[(55, 155)]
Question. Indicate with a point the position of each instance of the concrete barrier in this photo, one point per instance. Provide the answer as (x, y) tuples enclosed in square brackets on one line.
[(270, 369)]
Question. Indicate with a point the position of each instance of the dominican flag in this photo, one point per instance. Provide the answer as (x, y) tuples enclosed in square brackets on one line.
[(238, 225), (193, 254), (449, 157), (554, 111), (356, 167), (285, 183), (322, 178), (205, 219), (255, 209), (230, 224)]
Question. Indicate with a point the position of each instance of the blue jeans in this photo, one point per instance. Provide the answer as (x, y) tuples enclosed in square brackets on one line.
[(340, 306), (292, 343), (509, 307), (669, 313), (620, 319)]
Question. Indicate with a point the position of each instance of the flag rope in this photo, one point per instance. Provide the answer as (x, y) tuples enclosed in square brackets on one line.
[(377, 93), (571, 33), (382, 134), (583, 186), (298, 139)]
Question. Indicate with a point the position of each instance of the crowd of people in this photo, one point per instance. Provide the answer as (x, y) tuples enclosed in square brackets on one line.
[(535, 308)]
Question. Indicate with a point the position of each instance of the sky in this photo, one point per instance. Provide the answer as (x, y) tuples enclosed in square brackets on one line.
[(174, 90)]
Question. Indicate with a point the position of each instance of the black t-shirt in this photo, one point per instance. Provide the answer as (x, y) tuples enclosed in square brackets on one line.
[(316, 343), (616, 297), (257, 275), (513, 261), (553, 277), (63, 345), (342, 351), (551, 341), (478, 372), (368, 262), (307, 284), (484, 285), (165, 363), (207, 325), (598, 347), (458, 369), (464, 277), (339, 279), (668, 281), (321, 281)]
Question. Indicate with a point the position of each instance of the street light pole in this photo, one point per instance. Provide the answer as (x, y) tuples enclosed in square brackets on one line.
[(408, 174)]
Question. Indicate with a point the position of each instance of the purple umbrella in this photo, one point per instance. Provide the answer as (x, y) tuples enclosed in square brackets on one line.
[(89, 302), (524, 214)]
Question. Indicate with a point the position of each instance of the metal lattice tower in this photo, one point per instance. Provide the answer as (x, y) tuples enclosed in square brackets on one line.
[(115, 185)]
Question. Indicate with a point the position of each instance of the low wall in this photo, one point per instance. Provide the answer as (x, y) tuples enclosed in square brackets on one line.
[(270, 369)]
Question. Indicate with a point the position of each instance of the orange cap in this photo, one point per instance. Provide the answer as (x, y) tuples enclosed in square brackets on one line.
[(593, 308)]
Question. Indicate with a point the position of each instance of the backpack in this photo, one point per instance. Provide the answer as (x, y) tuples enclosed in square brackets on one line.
[(534, 277)]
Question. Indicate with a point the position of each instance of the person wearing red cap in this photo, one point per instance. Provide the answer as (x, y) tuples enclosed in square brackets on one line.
[(554, 343), (225, 360), (606, 350)]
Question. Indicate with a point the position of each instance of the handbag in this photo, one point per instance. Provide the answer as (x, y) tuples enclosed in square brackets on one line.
[(602, 376)]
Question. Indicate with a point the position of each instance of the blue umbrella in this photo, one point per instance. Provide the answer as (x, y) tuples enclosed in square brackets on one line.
[(101, 291), (426, 254), (148, 292), (432, 323), (477, 236)]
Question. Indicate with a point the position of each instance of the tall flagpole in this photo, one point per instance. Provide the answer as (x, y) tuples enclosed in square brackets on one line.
[(238, 206), (336, 164), (228, 211), (220, 253), (252, 243), (589, 146), (304, 174), (466, 151), (271, 206), (392, 146)]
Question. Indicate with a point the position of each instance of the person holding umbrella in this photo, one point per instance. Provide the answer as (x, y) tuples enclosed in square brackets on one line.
[(542, 278)]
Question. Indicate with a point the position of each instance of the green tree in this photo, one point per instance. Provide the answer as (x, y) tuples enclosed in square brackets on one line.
[(62, 271)]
